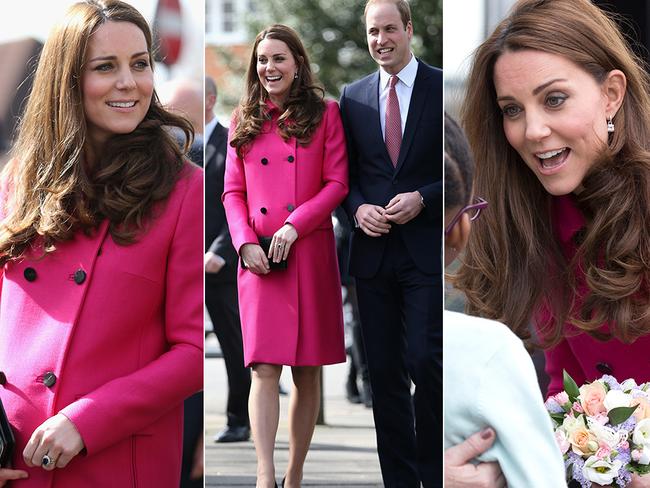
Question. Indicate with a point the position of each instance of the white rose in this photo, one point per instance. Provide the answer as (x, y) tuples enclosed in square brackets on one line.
[(616, 398), (572, 423), (641, 436), (629, 384), (601, 471)]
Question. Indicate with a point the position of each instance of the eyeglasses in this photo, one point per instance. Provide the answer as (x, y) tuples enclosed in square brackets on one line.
[(473, 210)]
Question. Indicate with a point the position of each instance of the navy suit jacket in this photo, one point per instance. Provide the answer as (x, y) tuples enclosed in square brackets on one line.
[(374, 180), (217, 236)]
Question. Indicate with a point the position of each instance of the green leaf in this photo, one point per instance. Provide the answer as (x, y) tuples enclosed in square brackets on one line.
[(570, 387), (558, 418), (619, 415), (640, 469)]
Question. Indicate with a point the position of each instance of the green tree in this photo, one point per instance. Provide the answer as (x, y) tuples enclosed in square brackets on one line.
[(333, 32)]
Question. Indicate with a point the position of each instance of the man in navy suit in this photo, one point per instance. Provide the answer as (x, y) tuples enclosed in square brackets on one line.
[(393, 123), (221, 276)]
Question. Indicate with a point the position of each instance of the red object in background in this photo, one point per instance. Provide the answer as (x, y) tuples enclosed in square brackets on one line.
[(168, 29)]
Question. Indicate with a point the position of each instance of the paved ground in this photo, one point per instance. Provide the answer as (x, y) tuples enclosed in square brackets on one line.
[(343, 452)]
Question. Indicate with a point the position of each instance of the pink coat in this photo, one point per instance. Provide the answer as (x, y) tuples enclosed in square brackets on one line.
[(111, 336), (584, 357), (294, 316)]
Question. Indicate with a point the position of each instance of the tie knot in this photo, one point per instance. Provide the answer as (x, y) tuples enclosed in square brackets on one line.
[(393, 81)]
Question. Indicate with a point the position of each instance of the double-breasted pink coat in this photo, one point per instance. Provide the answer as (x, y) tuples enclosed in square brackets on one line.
[(293, 316), (110, 336)]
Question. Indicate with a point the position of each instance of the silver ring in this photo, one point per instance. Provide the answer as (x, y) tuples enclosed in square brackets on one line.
[(46, 461)]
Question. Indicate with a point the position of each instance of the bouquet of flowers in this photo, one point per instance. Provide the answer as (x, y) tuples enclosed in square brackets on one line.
[(603, 430)]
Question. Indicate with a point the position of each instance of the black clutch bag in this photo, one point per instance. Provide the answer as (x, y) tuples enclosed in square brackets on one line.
[(7, 440), (265, 244)]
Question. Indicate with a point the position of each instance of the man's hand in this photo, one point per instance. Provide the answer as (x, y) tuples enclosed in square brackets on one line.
[(213, 262), (404, 207), (371, 219), (460, 473)]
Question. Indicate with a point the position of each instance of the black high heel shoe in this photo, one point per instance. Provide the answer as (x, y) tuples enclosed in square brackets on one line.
[(282, 485)]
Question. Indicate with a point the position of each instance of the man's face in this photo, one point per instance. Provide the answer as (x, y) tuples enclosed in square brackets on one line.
[(388, 39)]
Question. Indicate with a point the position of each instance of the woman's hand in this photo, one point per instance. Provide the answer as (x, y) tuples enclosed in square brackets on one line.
[(58, 438), (7, 474), (281, 243), (460, 473), (254, 259)]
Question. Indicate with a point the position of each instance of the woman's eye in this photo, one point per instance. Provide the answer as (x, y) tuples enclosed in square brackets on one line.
[(510, 111), (142, 64), (261, 60), (555, 100), (103, 67)]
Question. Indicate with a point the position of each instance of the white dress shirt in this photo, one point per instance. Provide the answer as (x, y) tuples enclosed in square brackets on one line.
[(403, 88), (209, 128)]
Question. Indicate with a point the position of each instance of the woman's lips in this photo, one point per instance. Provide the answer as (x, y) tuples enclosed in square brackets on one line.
[(552, 161)]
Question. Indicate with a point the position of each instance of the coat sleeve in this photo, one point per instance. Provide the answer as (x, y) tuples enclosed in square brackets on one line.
[(355, 198), (128, 404), (234, 197), (311, 214), (515, 409)]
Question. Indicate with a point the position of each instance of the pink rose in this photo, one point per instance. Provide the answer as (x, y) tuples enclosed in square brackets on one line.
[(577, 407), (603, 451), (643, 409), (636, 455), (592, 397), (562, 397), (601, 419), (562, 441), (624, 445)]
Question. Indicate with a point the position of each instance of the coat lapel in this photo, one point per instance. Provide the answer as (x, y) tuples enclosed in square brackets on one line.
[(374, 124)]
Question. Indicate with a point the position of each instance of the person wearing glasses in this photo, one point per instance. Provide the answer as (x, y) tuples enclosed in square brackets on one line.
[(487, 359), (558, 107)]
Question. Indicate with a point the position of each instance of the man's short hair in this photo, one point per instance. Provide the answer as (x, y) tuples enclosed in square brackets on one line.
[(402, 7), (210, 86)]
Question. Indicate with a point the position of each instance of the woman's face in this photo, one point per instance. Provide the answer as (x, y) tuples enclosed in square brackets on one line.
[(554, 116), (276, 69), (117, 81)]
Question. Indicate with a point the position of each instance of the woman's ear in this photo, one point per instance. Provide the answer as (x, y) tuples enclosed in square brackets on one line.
[(614, 88)]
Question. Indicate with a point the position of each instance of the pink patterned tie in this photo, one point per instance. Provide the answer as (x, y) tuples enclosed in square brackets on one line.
[(393, 127)]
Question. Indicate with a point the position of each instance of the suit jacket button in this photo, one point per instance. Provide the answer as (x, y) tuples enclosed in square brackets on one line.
[(263, 210), (29, 274), (3, 378), (290, 159), (290, 208), (265, 161), (79, 276), (604, 368), (49, 379)]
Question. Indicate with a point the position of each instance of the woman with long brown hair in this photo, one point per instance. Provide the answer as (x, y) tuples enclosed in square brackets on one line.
[(100, 247), (558, 116), (286, 171)]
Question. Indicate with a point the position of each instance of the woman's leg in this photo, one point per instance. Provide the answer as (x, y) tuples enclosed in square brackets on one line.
[(303, 411), (264, 411)]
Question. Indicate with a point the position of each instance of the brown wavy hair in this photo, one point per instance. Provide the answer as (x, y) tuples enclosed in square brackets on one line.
[(513, 264), (303, 108), (53, 191)]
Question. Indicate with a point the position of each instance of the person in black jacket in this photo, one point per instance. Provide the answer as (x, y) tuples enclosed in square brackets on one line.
[(221, 276)]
